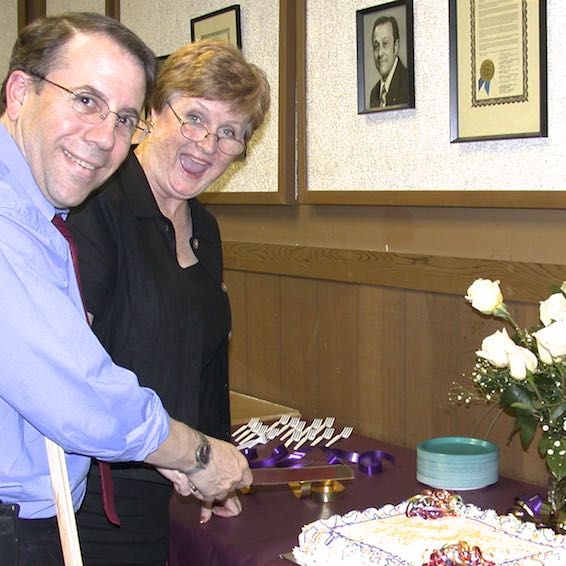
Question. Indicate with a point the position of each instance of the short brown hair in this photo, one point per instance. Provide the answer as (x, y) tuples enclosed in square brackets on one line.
[(40, 43), (215, 70)]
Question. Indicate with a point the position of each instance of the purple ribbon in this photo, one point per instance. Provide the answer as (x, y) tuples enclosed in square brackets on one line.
[(369, 463), (534, 503), (280, 458)]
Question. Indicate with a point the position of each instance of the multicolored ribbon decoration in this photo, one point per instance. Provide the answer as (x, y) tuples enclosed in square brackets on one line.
[(460, 554)]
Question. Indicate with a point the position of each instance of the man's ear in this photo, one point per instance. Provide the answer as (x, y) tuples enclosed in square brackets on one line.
[(17, 87), (396, 47)]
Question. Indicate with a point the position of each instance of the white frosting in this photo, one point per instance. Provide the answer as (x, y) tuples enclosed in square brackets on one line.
[(387, 537)]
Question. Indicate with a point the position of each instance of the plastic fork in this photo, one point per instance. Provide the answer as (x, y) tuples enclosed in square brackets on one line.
[(315, 425), (283, 420), (345, 433), (262, 439), (254, 426), (293, 426), (259, 430), (328, 422), (295, 437), (309, 436), (249, 425), (326, 435)]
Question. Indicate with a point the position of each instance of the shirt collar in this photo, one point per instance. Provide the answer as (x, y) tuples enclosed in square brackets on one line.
[(22, 178), (390, 75)]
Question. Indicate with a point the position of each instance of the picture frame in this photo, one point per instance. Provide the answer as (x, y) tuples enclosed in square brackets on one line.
[(393, 37), (498, 70), (222, 24)]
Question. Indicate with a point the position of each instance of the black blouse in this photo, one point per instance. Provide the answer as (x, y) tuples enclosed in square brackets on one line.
[(168, 324)]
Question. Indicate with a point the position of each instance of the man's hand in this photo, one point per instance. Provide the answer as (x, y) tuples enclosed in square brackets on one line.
[(179, 480), (228, 471)]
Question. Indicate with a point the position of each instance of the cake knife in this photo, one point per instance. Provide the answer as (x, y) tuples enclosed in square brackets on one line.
[(279, 476)]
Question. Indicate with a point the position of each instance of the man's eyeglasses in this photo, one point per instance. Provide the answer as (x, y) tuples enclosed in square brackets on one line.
[(196, 132), (91, 108)]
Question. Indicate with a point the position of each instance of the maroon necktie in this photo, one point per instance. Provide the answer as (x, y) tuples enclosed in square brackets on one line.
[(106, 483)]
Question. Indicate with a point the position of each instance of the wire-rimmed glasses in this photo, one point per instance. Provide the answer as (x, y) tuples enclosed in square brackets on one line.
[(196, 132), (91, 108)]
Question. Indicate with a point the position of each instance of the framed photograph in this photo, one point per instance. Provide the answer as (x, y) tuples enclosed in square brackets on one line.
[(384, 36), (498, 70), (223, 24)]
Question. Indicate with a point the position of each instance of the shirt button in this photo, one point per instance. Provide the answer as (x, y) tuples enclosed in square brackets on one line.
[(224, 287), (196, 243)]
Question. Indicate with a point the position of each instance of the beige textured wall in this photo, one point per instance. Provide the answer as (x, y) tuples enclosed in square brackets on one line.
[(410, 148), (54, 7), (8, 33), (166, 26)]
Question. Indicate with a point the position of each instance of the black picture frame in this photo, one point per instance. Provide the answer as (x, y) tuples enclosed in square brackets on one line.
[(402, 81), (486, 103), (222, 24)]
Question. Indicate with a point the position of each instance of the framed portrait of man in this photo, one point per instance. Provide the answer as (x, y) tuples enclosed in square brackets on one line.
[(385, 57)]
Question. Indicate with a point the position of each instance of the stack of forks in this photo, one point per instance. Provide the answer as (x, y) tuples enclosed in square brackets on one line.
[(292, 431)]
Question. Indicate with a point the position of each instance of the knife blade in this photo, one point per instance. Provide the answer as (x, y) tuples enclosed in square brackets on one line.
[(278, 476)]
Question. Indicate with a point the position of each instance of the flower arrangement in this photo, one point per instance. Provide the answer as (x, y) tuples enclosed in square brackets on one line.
[(525, 373)]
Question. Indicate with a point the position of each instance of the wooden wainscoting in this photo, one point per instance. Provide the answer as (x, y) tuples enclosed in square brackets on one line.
[(374, 339)]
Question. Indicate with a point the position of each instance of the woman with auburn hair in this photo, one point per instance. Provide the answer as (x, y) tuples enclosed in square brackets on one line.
[(151, 266)]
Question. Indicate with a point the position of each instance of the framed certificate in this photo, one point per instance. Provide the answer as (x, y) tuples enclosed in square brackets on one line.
[(498, 69)]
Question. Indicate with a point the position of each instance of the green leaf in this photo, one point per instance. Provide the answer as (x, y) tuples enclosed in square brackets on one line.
[(516, 396), (544, 444), (526, 426), (557, 412), (556, 464)]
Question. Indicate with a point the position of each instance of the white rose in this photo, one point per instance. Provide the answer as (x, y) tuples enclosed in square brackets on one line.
[(485, 295), (521, 360), (495, 348), (553, 309), (551, 342)]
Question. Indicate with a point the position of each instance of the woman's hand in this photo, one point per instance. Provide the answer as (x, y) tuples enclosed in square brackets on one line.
[(229, 507)]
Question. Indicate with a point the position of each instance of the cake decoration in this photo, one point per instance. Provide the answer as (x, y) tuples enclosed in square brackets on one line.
[(433, 504), (430, 529), (460, 554)]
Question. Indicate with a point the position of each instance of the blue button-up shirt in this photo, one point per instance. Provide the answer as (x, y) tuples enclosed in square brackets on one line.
[(56, 380)]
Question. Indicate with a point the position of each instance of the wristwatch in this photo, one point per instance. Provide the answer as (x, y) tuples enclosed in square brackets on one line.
[(203, 455)]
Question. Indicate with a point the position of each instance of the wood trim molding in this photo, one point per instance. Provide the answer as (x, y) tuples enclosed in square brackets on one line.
[(527, 282), (29, 10), (112, 9), (472, 199)]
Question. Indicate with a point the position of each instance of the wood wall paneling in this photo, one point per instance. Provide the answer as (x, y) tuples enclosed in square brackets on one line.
[(300, 340), (263, 324)]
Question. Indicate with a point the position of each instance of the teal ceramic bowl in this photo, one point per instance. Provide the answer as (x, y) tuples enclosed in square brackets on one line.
[(457, 463)]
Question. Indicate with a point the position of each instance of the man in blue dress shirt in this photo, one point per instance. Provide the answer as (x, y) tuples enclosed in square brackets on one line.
[(69, 109)]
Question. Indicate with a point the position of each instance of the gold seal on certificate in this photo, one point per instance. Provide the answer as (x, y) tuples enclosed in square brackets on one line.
[(487, 70)]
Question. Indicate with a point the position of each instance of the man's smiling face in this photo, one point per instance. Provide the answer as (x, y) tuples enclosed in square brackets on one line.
[(69, 158)]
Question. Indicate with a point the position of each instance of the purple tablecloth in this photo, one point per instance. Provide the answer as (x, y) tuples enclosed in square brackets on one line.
[(272, 517)]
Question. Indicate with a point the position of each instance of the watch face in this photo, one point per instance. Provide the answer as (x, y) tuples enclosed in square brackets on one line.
[(203, 454)]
